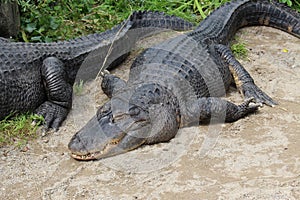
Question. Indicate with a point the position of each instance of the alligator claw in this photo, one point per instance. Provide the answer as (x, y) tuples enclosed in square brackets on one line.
[(245, 108), (250, 90), (53, 115), (247, 104)]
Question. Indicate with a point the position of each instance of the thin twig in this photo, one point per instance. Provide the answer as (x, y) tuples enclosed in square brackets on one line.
[(110, 48)]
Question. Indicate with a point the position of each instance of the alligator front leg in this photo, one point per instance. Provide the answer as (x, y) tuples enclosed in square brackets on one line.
[(242, 78), (59, 93), (111, 84), (216, 110)]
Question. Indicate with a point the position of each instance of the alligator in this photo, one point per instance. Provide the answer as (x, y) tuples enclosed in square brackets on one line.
[(179, 82), (38, 77)]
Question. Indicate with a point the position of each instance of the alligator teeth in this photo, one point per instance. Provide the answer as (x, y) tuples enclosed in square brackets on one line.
[(88, 156)]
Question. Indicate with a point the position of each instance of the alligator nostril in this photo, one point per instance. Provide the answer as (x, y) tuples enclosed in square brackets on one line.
[(134, 111)]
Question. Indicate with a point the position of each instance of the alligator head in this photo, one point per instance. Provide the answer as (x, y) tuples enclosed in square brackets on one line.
[(130, 119)]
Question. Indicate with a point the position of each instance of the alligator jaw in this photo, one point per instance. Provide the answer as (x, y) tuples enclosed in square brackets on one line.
[(89, 156), (111, 149), (97, 154), (84, 157), (103, 136)]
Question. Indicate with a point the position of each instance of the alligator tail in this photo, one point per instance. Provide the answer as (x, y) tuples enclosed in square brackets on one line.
[(144, 19), (275, 15), (223, 23)]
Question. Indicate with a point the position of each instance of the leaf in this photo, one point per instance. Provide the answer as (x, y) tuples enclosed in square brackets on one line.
[(54, 23), (200, 9), (57, 8), (30, 27), (36, 38), (48, 39), (41, 30)]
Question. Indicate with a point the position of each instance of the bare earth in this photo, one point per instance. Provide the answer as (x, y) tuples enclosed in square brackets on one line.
[(257, 157)]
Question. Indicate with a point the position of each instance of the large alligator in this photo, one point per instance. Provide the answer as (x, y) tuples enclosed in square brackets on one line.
[(177, 83), (39, 76)]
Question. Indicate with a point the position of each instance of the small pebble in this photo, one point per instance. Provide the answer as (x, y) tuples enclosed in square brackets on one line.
[(46, 140), (25, 149)]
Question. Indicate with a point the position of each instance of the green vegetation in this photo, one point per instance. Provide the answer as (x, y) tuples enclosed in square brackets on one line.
[(18, 130), (292, 3), (239, 49), (51, 20), (78, 87)]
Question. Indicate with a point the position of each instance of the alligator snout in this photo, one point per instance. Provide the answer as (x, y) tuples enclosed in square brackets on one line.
[(105, 135)]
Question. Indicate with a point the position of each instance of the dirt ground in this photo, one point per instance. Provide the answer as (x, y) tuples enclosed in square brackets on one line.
[(257, 157)]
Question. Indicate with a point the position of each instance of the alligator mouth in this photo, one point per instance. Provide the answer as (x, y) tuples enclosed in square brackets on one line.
[(108, 136), (89, 156), (98, 154)]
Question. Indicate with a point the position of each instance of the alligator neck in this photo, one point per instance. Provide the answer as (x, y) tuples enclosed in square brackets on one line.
[(223, 23)]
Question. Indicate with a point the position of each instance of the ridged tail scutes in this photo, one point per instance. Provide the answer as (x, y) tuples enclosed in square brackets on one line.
[(226, 20), (144, 19), (279, 16), (270, 13)]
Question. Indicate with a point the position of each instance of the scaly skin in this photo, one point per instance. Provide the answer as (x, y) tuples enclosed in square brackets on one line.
[(39, 76), (177, 83)]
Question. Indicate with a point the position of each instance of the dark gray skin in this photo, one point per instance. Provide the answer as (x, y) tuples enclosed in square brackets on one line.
[(38, 77), (177, 84)]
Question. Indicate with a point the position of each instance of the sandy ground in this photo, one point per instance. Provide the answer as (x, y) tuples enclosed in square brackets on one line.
[(257, 157)]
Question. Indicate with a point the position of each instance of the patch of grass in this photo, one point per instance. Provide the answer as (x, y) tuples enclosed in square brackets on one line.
[(18, 130), (78, 87), (239, 49), (51, 20)]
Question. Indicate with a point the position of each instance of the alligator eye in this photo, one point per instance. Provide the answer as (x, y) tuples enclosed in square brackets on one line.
[(103, 111)]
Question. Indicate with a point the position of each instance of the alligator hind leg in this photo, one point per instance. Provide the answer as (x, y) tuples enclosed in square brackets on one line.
[(59, 93), (111, 84), (242, 78)]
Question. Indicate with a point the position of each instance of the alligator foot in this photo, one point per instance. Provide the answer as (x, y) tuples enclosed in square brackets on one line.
[(111, 84), (236, 112), (250, 90), (59, 93), (53, 114), (246, 107), (242, 78)]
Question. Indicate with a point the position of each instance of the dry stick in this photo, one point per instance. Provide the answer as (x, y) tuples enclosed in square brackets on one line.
[(100, 73)]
